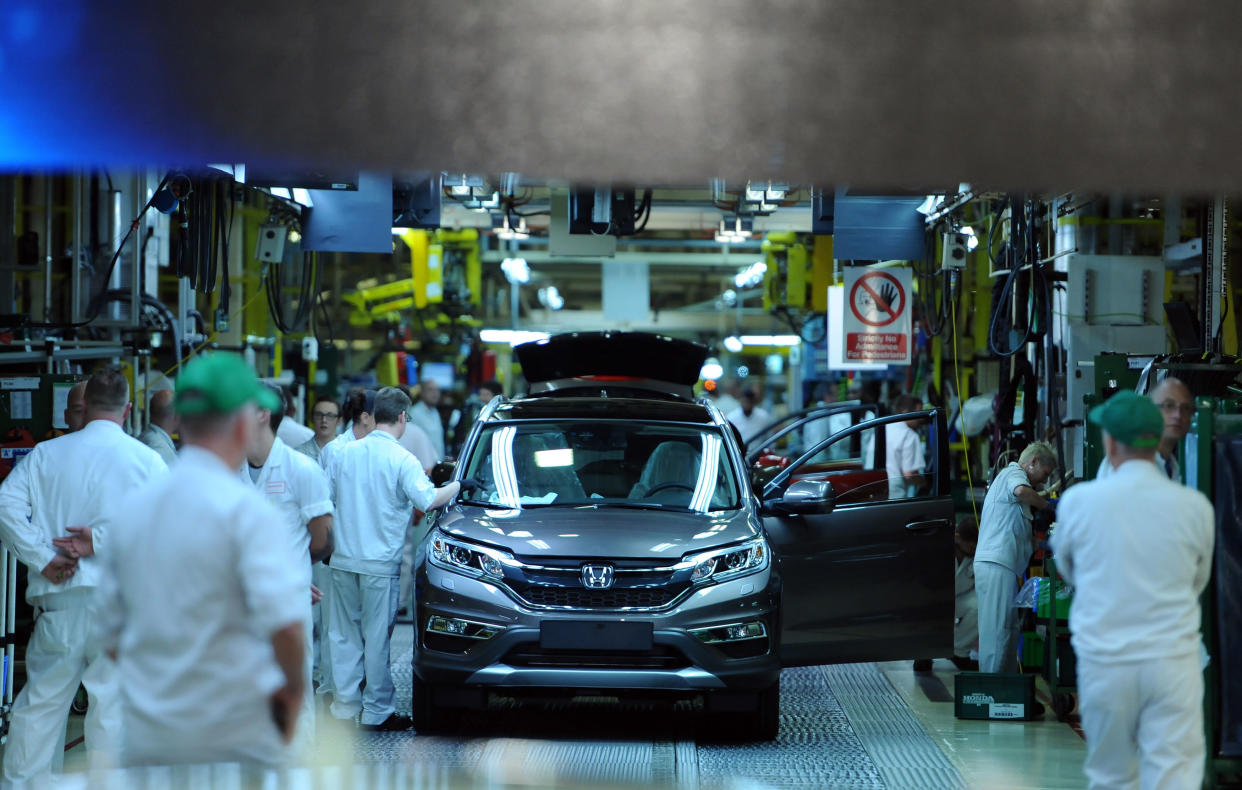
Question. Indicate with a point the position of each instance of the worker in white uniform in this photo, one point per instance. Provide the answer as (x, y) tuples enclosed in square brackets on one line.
[(378, 486), (425, 414), (1177, 407), (749, 416), (1138, 549), (51, 517), (903, 451), (158, 435), (292, 432), (1004, 550), (204, 595), (298, 488), (356, 410), (325, 417)]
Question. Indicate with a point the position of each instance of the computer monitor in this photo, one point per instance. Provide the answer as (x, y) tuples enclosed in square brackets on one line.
[(442, 373)]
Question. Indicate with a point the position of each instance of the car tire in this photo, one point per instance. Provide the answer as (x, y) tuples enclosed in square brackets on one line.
[(766, 722), (429, 719), (761, 723)]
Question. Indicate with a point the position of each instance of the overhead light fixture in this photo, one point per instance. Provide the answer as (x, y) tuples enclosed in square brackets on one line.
[(513, 337), (732, 232), (711, 369), (775, 364), (733, 344), (508, 233), (728, 298), (742, 371), (281, 192), (770, 340), (516, 270), (764, 197), (303, 197)]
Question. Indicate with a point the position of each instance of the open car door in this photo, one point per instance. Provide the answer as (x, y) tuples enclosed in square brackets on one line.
[(865, 576)]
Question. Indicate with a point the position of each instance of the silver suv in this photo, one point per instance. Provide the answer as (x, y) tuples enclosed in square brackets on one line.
[(613, 544)]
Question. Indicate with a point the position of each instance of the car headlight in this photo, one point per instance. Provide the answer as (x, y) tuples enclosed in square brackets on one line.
[(728, 563), (468, 558)]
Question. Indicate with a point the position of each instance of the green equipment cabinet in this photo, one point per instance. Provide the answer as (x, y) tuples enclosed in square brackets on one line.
[(1212, 463)]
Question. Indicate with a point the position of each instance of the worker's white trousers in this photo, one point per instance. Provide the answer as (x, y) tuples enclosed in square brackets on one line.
[(995, 588), (61, 655), (303, 743), (363, 611), (1143, 721), (321, 672)]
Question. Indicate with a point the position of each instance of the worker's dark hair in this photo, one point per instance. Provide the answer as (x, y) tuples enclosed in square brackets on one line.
[(968, 528), (356, 403), (325, 398), (390, 404), (107, 391), (750, 391), (492, 386), (906, 402), (160, 409), (278, 416)]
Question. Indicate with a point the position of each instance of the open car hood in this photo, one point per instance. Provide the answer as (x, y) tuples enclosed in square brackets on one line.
[(611, 358)]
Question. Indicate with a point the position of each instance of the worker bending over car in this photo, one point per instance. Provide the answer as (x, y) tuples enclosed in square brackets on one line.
[(377, 485), (1004, 550)]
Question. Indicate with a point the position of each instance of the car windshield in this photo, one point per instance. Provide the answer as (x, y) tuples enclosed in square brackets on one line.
[(661, 466)]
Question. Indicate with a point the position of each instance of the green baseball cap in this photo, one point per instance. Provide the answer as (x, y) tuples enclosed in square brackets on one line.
[(1131, 419), (221, 383)]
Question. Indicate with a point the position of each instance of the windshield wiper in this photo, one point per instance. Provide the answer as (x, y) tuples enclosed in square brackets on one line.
[(641, 506)]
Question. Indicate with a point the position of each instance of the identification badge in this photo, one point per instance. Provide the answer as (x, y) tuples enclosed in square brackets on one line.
[(276, 487)]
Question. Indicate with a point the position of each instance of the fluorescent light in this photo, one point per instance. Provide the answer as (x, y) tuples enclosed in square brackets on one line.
[(303, 196), (460, 189), (511, 336), (733, 344), (281, 192), (770, 340), (554, 458), (399, 231)]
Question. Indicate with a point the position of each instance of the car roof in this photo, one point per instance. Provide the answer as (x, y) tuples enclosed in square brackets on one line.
[(603, 408)]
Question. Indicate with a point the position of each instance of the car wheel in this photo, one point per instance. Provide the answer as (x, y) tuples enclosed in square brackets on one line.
[(429, 719), (764, 723)]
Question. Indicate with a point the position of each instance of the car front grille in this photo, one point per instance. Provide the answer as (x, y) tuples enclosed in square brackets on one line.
[(615, 598), (532, 655)]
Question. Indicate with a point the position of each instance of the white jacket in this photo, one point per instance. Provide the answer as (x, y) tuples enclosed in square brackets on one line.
[(69, 482), (377, 486), (196, 581), (1138, 549)]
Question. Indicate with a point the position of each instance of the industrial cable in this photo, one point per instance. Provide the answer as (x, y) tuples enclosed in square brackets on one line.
[(961, 410), (1017, 256)]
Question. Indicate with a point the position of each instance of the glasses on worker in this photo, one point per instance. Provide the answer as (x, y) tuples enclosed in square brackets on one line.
[(1172, 406), (325, 415)]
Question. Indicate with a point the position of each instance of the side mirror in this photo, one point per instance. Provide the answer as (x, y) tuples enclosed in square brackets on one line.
[(804, 498), (442, 472)]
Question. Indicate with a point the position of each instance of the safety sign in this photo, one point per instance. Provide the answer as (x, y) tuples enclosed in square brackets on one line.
[(877, 316)]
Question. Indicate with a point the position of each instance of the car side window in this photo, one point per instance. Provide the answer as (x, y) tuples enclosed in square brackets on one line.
[(878, 464)]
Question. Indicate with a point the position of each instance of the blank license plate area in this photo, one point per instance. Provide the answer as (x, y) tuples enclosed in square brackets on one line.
[(594, 635)]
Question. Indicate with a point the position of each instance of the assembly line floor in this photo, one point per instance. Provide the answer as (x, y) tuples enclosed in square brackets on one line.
[(852, 726)]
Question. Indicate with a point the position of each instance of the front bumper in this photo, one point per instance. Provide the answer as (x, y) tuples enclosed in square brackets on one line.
[(678, 663)]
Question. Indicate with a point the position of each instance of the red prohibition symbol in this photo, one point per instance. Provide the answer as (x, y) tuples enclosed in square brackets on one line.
[(877, 299)]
